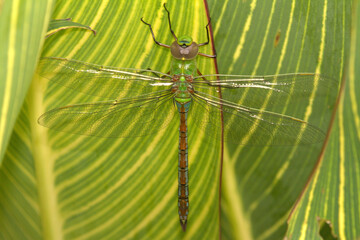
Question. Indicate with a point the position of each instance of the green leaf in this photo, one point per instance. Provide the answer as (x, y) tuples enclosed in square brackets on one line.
[(57, 25), (261, 184), (22, 27), (333, 193), (56, 185), (83, 187)]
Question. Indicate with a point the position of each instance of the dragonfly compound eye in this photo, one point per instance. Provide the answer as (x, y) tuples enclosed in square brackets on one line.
[(184, 41)]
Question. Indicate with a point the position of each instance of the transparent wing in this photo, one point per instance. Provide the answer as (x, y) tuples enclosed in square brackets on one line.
[(268, 92), (96, 80), (131, 117), (250, 126)]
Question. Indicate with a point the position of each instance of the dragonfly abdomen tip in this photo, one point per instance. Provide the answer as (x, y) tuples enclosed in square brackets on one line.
[(183, 224)]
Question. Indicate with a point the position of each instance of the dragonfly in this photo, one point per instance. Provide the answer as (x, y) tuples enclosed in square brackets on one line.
[(148, 98)]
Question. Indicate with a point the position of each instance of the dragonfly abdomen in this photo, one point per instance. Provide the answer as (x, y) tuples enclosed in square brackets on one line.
[(183, 187)]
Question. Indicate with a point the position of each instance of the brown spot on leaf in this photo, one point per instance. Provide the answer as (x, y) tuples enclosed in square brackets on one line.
[(277, 38)]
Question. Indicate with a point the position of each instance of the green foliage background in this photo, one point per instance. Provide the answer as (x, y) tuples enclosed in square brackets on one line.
[(55, 185)]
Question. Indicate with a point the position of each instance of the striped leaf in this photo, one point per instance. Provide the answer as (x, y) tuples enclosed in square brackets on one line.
[(71, 186), (56, 185), (333, 194), (22, 27), (261, 184)]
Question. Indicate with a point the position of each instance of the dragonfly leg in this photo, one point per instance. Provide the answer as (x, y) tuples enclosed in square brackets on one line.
[(152, 33), (172, 32), (200, 74), (207, 55), (207, 34), (206, 43)]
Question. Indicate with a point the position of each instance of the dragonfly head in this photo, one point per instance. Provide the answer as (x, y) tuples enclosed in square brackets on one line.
[(184, 48), (184, 41)]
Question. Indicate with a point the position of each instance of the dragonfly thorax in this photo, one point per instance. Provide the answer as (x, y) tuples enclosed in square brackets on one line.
[(182, 88), (183, 67)]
